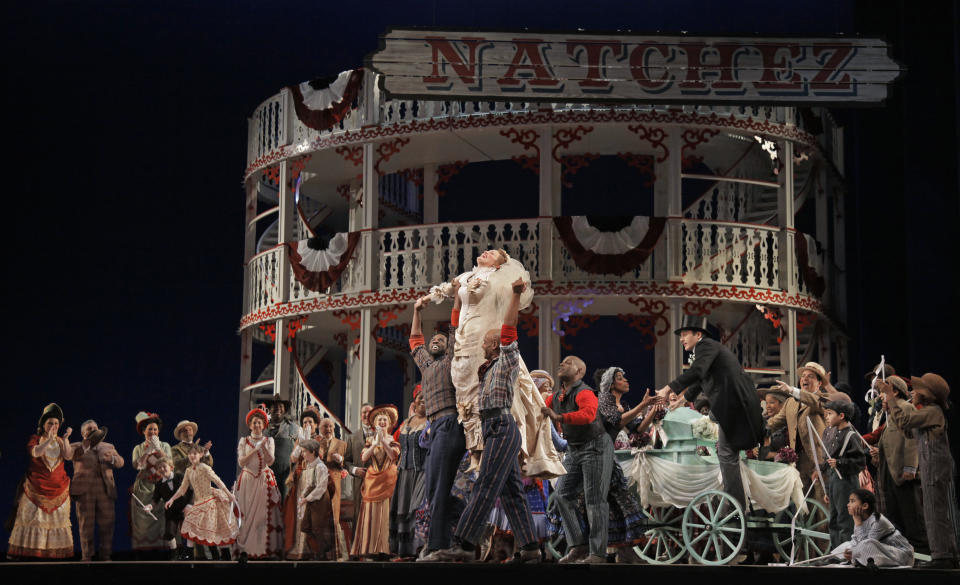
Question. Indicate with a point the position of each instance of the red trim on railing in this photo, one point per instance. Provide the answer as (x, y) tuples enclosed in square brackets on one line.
[(303, 380)]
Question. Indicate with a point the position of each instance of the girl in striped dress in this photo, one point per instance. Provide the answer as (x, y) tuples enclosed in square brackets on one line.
[(874, 537)]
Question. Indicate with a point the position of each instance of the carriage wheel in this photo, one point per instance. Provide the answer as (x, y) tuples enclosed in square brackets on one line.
[(714, 528), (664, 544), (812, 532), (556, 544)]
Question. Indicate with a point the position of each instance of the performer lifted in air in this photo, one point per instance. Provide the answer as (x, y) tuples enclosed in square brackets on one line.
[(485, 293)]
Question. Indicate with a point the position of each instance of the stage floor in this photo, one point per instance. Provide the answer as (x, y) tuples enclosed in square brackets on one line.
[(271, 572)]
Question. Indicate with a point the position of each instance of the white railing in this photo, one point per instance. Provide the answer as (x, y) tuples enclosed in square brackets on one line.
[(421, 256), (303, 397), (263, 280), (274, 123), (716, 252), (268, 126), (417, 257)]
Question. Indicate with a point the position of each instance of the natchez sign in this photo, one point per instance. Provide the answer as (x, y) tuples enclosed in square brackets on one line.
[(580, 67)]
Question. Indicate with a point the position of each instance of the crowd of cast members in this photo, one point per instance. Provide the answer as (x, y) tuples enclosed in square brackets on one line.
[(468, 474)]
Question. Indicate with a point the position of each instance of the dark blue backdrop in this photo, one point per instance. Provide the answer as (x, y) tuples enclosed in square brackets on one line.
[(127, 123)]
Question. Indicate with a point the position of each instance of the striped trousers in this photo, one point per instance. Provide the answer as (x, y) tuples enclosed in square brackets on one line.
[(499, 477)]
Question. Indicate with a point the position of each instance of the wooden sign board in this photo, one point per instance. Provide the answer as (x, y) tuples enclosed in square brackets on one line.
[(578, 67)]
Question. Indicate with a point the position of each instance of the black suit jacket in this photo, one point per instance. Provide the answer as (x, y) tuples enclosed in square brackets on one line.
[(165, 490), (717, 373)]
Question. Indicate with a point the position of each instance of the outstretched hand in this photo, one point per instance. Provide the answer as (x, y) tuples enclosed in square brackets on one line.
[(649, 399), (421, 303), (519, 286)]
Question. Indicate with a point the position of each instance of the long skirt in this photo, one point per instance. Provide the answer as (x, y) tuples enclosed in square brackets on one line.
[(211, 522), (39, 534), (409, 495), (261, 528), (373, 529), (146, 532)]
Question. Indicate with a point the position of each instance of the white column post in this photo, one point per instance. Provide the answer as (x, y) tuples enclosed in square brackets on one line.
[(788, 347), (549, 206), (668, 353), (246, 336), (548, 342), (670, 171), (282, 364), (361, 370), (788, 257)]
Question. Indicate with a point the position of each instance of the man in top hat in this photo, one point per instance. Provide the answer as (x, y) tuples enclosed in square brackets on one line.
[(185, 432), (285, 433), (805, 403), (93, 488), (927, 421), (717, 373)]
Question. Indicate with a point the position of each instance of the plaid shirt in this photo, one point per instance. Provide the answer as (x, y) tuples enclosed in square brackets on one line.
[(438, 390), (499, 376)]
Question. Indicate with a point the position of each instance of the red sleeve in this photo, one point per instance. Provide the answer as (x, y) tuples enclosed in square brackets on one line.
[(874, 436), (549, 401), (455, 317), (508, 335), (586, 411), (416, 341)]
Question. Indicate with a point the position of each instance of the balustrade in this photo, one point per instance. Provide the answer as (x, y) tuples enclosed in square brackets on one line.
[(726, 253), (421, 256), (263, 280), (275, 124), (417, 257)]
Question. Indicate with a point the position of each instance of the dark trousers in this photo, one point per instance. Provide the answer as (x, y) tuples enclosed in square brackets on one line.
[(902, 505), (589, 467), (447, 445), (95, 508), (841, 523), (729, 459), (499, 477)]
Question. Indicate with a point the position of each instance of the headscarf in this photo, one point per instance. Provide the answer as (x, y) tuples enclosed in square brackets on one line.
[(606, 381)]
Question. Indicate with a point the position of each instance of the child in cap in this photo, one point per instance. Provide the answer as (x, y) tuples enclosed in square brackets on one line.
[(846, 455)]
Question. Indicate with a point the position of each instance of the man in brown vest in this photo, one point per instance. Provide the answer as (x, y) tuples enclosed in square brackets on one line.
[(93, 489)]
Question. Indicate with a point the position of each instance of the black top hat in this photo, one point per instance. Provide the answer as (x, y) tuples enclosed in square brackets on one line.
[(693, 323)]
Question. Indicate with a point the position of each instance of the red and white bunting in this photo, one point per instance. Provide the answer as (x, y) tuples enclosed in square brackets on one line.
[(322, 108), (319, 269), (617, 252)]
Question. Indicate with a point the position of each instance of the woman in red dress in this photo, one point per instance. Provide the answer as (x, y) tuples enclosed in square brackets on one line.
[(42, 525)]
